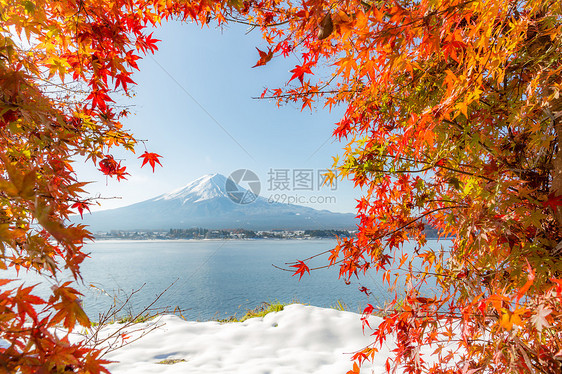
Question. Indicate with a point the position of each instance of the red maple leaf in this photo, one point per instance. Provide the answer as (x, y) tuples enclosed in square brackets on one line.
[(131, 59), (99, 98), (123, 79), (110, 167), (264, 57), (147, 44), (553, 201), (300, 71), (80, 205), (107, 165), (150, 158), (365, 290), (301, 269)]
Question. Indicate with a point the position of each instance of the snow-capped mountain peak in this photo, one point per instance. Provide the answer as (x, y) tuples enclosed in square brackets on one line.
[(207, 187), (215, 202)]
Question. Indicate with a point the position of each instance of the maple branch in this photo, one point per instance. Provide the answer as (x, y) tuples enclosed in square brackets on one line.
[(254, 25), (401, 171), (418, 218), (466, 173), (377, 238), (431, 165), (302, 94), (119, 332), (462, 129)]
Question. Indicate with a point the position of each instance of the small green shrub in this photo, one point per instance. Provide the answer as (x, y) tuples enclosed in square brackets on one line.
[(171, 361), (259, 311), (341, 306), (135, 319), (262, 310)]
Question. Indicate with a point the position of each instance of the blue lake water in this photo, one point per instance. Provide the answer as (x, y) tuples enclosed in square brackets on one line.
[(213, 279)]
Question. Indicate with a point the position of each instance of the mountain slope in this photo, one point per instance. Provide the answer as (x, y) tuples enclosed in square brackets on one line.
[(208, 202)]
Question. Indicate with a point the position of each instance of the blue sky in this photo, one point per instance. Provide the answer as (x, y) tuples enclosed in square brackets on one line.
[(193, 104)]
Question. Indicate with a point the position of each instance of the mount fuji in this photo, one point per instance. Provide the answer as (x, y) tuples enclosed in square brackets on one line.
[(214, 202)]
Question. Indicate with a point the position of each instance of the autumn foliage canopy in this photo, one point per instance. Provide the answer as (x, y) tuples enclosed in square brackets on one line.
[(453, 119), (61, 65)]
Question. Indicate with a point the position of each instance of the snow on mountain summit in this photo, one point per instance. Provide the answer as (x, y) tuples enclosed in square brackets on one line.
[(207, 187), (215, 202)]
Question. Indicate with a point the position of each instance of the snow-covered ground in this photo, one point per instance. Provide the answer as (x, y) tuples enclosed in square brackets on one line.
[(299, 339)]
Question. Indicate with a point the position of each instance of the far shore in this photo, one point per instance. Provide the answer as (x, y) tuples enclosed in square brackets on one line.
[(109, 240), (116, 240)]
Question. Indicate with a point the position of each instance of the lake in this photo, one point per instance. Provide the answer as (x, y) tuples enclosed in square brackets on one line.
[(213, 279)]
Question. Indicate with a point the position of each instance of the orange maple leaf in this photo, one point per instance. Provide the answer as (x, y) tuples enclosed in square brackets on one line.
[(301, 269), (150, 158), (264, 57), (299, 71)]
